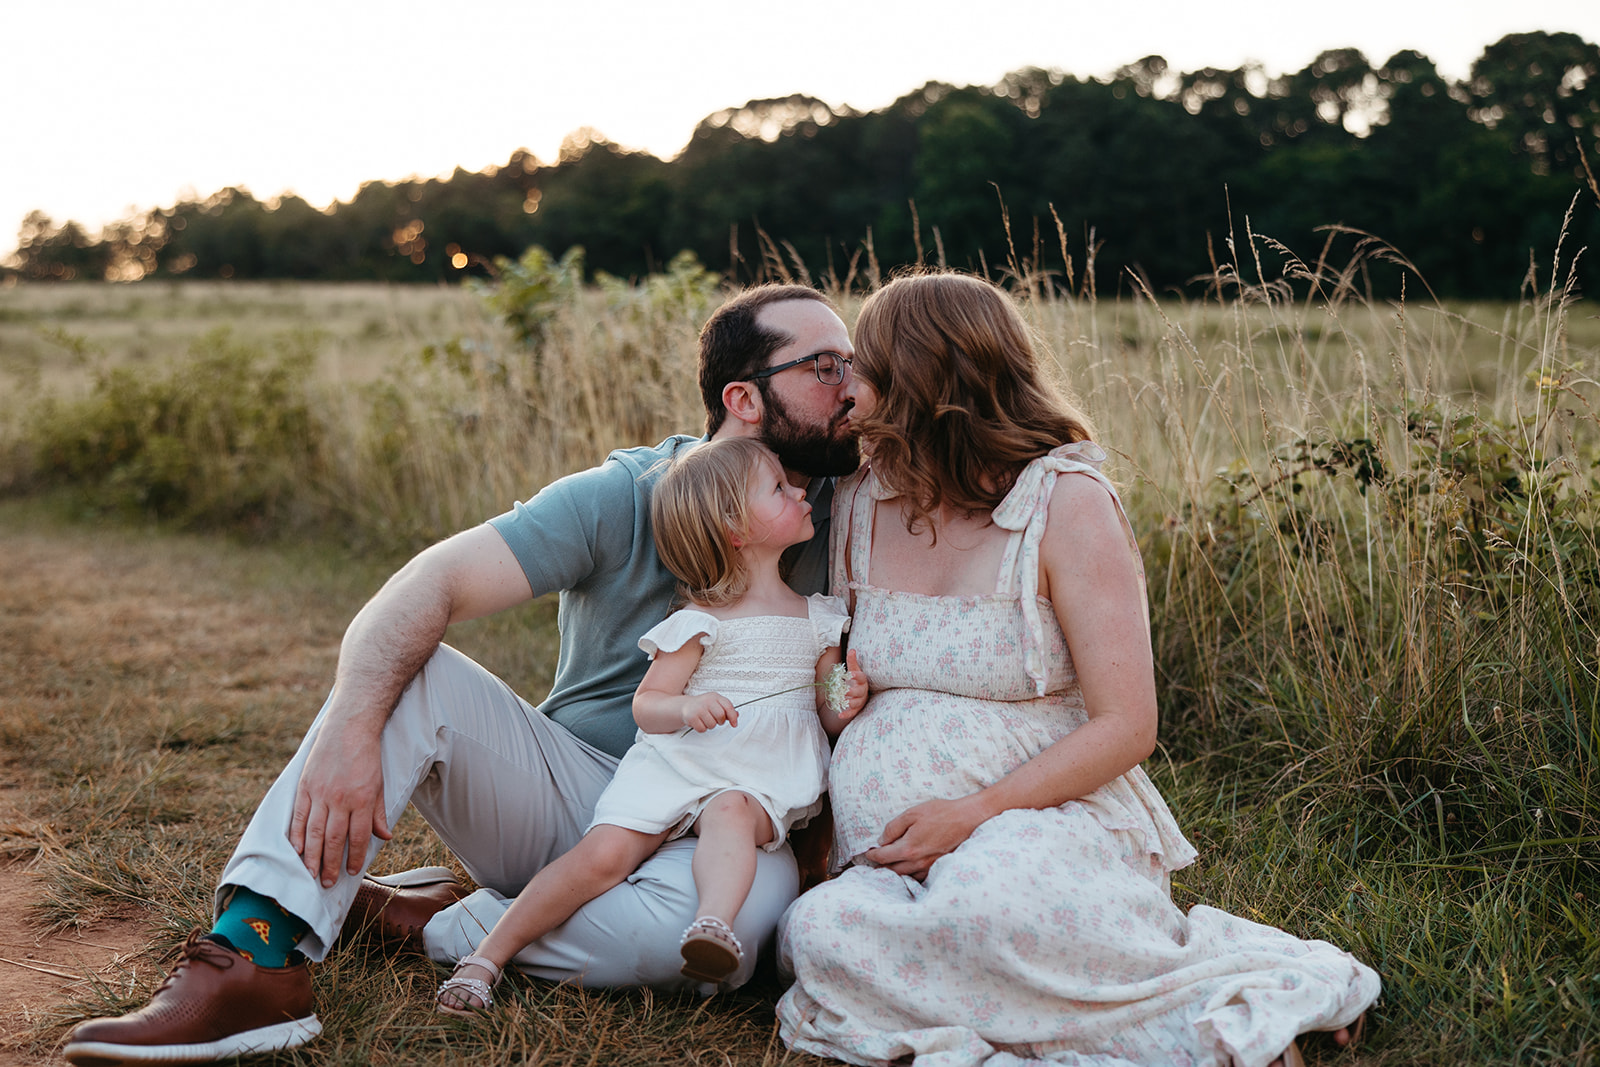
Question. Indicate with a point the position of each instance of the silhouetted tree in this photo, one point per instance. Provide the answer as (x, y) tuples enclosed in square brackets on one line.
[(1544, 90), (1156, 168)]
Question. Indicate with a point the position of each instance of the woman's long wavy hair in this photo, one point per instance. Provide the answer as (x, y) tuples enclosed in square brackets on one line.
[(962, 401), (699, 508)]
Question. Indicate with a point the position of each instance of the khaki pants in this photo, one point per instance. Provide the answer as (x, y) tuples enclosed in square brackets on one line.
[(507, 790)]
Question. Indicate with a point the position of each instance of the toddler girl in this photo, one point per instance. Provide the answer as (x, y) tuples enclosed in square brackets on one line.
[(742, 684)]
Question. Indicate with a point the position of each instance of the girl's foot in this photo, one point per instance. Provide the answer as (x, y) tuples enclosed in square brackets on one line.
[(711, 952), (470, 987)]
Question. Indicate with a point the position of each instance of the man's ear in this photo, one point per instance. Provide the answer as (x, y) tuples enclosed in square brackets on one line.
[(743, 402)]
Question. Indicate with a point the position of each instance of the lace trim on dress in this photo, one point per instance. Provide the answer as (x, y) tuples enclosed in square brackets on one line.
[(826, 615)]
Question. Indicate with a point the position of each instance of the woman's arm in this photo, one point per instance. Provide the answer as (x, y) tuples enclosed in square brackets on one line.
[(660, 705), (1089, 574)]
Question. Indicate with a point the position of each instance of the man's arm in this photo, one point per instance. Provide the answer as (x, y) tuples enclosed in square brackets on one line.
[(340, 796)]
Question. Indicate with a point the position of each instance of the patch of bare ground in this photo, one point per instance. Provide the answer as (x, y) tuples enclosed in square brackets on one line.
[(40, 967), (151, 685)]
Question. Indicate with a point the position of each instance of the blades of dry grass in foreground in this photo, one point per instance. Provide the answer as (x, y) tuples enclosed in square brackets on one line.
[(153, 685), (1370, 530)]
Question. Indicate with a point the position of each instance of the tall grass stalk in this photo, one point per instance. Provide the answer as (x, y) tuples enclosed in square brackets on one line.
[(1370, 535)]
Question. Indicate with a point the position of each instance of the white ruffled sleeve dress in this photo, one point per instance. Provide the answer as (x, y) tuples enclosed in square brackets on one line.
[(778, 753)]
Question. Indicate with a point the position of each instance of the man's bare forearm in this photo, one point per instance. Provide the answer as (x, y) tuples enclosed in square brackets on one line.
[(340, 795), (387, 643), (394, 635)]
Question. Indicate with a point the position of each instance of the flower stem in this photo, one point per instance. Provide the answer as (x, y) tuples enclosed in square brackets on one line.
[(779, 693)]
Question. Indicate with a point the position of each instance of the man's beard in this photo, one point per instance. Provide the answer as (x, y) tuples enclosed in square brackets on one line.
[(810, 450)]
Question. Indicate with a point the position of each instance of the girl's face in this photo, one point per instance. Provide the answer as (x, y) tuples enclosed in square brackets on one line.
[(779, 514)]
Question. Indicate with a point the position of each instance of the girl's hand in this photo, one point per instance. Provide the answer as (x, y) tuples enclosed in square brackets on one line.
[(707, 710), (856, 695), (829, 669), (917, 837)]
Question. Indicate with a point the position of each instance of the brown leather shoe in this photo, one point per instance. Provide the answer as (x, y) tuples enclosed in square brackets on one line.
[(393, 908), (215, 1004)]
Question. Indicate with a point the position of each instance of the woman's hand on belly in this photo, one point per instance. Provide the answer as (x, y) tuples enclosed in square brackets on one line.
[(918, 836)]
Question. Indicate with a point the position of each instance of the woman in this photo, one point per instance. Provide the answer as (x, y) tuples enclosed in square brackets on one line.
[(1006, 892)]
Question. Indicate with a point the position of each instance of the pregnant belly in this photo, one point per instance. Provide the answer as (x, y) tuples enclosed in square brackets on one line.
[(912, 745)]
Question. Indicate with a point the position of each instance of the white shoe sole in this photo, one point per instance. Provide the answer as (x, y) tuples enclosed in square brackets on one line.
[(414, 877), (275, 1038)]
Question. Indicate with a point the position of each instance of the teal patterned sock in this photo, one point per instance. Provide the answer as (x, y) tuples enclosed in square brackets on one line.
[(258, 929)]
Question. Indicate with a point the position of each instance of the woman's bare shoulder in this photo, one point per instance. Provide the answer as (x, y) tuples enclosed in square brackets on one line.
[(1080, 506), (1084, 540)]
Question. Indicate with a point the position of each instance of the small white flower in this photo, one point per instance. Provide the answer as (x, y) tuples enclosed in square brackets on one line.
[(836, 689)]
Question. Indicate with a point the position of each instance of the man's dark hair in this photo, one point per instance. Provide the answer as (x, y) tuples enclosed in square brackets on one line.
[(733, 343)]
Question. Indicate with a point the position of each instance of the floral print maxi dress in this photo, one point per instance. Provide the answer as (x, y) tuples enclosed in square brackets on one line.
[(1047, 935)]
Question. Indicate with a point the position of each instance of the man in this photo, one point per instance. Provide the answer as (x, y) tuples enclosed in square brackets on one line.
[(508, 787)]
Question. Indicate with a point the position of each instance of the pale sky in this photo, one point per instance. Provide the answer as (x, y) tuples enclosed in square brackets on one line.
[(115, 106)]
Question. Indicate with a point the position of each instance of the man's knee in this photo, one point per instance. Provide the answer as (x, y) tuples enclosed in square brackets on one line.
[(658, 960)]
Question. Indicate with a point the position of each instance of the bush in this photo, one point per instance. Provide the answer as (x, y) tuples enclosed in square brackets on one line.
[(228, 437)]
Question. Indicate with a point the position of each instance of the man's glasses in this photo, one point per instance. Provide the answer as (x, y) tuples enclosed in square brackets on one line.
[(830, 367)]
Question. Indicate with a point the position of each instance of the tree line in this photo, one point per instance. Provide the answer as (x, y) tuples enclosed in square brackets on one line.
[(1150, 177)]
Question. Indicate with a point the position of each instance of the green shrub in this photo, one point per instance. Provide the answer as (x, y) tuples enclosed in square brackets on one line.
[(228, 436), (529, 292), (1394, 634)]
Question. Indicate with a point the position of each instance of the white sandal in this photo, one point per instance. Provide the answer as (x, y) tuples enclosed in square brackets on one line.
[(711, 950), (477, 988)]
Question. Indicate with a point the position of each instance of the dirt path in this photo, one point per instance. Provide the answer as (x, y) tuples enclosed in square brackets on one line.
[(94, 619)]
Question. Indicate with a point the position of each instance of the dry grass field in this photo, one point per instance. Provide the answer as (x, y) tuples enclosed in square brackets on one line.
[(1370, 531), (154, 683), (54, 333)]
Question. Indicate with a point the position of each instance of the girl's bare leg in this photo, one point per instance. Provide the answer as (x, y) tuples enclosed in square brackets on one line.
[(602, 859), (731, 828)]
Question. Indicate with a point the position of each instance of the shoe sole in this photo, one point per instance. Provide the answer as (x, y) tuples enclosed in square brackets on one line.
[(706, 961), (278, 1037), (413, 878)]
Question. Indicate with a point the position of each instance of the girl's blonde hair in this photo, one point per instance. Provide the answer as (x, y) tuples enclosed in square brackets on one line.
[(700, 504)]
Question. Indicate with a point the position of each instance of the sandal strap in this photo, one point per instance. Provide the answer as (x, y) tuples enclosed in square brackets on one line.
[(479, 961), (715, 927), (477, 987)]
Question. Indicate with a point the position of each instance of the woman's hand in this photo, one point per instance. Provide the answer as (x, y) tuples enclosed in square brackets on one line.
[(917, 837)]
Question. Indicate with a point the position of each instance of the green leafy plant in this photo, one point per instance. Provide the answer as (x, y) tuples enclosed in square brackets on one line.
[(528, 293), (227, 436)]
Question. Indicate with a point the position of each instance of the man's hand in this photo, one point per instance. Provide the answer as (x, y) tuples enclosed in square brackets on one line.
[(338, 806), (917, 837), (707, 710)]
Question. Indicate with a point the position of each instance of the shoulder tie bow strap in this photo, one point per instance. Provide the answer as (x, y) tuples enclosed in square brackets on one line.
[(1025, 510)]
